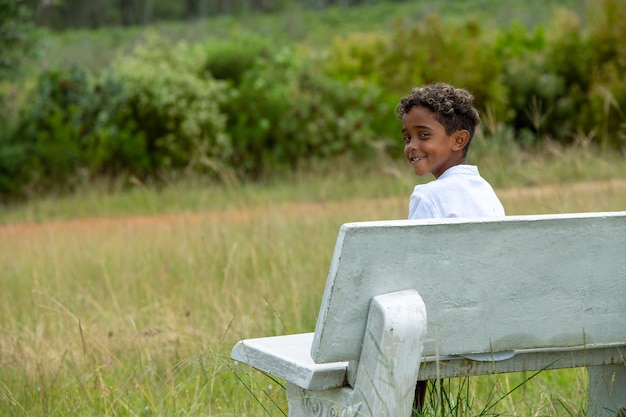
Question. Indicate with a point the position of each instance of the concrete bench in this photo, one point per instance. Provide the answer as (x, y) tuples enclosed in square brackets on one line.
[(428, 299)]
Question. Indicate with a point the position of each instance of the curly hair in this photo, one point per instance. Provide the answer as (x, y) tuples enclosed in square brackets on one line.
[(453, 107)]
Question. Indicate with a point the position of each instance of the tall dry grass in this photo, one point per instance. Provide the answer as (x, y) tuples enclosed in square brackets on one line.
[(136, 315)]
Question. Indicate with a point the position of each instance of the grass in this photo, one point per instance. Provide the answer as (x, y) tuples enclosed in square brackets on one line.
[(501, 162), (105, 314), (518, 394)]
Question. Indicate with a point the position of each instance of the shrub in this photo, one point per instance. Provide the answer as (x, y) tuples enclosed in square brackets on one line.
[(533, 92), (49, 138), (11, 153), (565, 82), (549, 84), (230, 59), (160, 112), (18, 37), (65, 134), (607, 45), (154, 112), (357, 56), (423, 52), (285, 111)]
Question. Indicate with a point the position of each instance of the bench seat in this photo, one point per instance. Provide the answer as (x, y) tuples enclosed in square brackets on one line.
[(288, 357)]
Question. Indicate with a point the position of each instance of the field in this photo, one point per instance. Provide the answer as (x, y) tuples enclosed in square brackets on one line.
[(126, 301), (134, 313)]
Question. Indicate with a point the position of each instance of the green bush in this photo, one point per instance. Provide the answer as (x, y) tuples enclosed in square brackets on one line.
[(357, 56), (564, 82), (11, 153), (607, 45), (230, 59), (65, 135), (552, 83), (18, 37), (285, 111), (153, 113), (53, 123), (167, 106), (422, 52), (548, 76)]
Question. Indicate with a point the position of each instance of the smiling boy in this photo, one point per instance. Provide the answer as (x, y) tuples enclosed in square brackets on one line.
[(438, 123)]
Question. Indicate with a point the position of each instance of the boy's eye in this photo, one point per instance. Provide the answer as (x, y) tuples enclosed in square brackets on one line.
[(407, 139)]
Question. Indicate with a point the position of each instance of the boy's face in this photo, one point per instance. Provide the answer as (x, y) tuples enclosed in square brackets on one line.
[(427, 146)]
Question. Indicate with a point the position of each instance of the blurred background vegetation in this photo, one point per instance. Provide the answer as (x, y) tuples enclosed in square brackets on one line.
[(153, 91)]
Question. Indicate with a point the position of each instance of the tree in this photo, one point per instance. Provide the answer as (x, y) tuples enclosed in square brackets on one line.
[(17, 36)]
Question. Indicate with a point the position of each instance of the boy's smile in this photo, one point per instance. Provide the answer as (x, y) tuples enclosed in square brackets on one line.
[(427, 146), (416, 160)]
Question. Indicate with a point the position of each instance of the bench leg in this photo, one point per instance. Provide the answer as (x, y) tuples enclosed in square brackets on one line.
[(607, 391), (387, 371), (390, 356), (310, 403), (420, 396)]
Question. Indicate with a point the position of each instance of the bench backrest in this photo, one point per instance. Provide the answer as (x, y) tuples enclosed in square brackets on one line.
[(489, 285)]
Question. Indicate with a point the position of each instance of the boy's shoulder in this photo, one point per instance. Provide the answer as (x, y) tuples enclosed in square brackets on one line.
[(457, 183)]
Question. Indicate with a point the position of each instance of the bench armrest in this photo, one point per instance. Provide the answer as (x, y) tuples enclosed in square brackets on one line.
[(289, 358)]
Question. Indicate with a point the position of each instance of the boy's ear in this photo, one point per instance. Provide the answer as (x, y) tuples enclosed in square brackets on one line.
[(461, 137)]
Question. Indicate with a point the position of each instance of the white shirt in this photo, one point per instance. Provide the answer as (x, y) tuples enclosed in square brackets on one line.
[(459, 192)]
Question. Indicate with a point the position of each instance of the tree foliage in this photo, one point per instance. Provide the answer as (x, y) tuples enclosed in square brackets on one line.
[(64, 14), (17, 36)]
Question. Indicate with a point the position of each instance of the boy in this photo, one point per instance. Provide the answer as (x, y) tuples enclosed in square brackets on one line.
[(438, 123)]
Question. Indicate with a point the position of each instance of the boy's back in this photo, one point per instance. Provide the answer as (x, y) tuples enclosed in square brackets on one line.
[(459, 192)]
